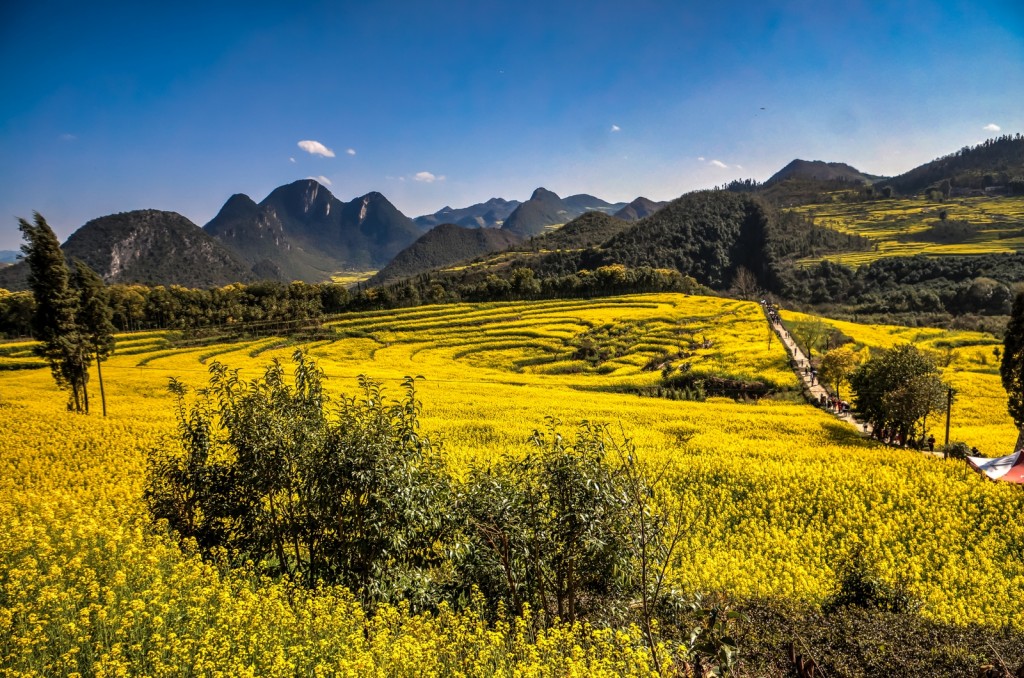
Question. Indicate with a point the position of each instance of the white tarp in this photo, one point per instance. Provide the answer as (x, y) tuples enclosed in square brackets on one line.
[(1000, 467)]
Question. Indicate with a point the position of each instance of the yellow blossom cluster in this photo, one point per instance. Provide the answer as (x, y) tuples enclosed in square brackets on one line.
[(773, 495)]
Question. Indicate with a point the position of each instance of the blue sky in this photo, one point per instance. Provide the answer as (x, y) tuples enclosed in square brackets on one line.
[(176, 106)]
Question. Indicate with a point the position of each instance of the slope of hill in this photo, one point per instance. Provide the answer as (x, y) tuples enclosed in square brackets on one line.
[(709, 235), (9, 256), (587, 230), (582, 202), (545, 208), (819, 170), (490, 214), (307, 233), (151, 247), (903, 227), (638, 209), (995, 162), (443, 246)]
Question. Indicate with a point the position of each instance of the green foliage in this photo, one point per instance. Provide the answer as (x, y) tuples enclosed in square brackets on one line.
[(54, 323), (608, 341), (94, 312), (266, 473), (713, 648), (16, 312), (916, 285), (836, 367), (946, 231), (956, 450), (898, 389), (860, 586), (1012, 367), (552, 529)]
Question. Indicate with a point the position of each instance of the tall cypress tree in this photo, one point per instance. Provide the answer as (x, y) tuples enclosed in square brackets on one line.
[(1012, 368), (55, 322), (95, 318)]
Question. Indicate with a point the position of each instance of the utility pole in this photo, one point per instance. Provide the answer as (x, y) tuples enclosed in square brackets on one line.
[(949, 410)]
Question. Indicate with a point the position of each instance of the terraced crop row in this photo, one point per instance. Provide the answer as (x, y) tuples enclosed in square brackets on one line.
[(773, 495)]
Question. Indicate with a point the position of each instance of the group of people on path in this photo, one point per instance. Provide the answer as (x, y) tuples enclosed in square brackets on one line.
[(771, 312), (833, 404)]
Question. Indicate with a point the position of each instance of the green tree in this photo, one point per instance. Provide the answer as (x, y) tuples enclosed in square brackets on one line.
[(61, 343), (1012, 367), (551, 529), (95, 318), (898, 389), (811, 335), (836, 367), (266, 473)]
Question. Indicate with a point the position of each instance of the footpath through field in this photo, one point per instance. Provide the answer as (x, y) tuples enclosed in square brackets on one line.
[(801, 366)]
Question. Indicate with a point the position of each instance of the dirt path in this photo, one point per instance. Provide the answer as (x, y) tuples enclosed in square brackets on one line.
[(798, 360)]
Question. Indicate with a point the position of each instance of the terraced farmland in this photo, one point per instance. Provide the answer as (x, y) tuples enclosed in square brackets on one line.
[(897, 227), (773, 494)]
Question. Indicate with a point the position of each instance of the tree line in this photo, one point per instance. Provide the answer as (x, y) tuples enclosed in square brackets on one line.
[(238, 306)]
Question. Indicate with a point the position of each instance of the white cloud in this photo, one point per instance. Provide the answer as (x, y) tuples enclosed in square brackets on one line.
[(739, 167), (701, 158), (322, 180), (315, 148), (428, 177), (291, 160), (992, 127), (616, 128), (350, 151), (719, 163), (67, 137)]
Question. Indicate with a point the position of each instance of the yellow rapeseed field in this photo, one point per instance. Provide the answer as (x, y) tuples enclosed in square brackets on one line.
[(969, 364), (895, 225), (773, 494)]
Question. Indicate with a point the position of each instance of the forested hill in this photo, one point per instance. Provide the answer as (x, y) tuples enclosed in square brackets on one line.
[(996, 162), (708, 235), (818, 170), (442, 246), (588, 230), (151, 247)]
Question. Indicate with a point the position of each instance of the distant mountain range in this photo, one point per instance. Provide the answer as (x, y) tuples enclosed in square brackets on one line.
[(490, 214), (301, 231), (710, 235)]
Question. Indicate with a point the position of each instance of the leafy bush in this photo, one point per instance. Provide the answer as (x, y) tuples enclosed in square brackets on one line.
[(860, 586), (264, 473)]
